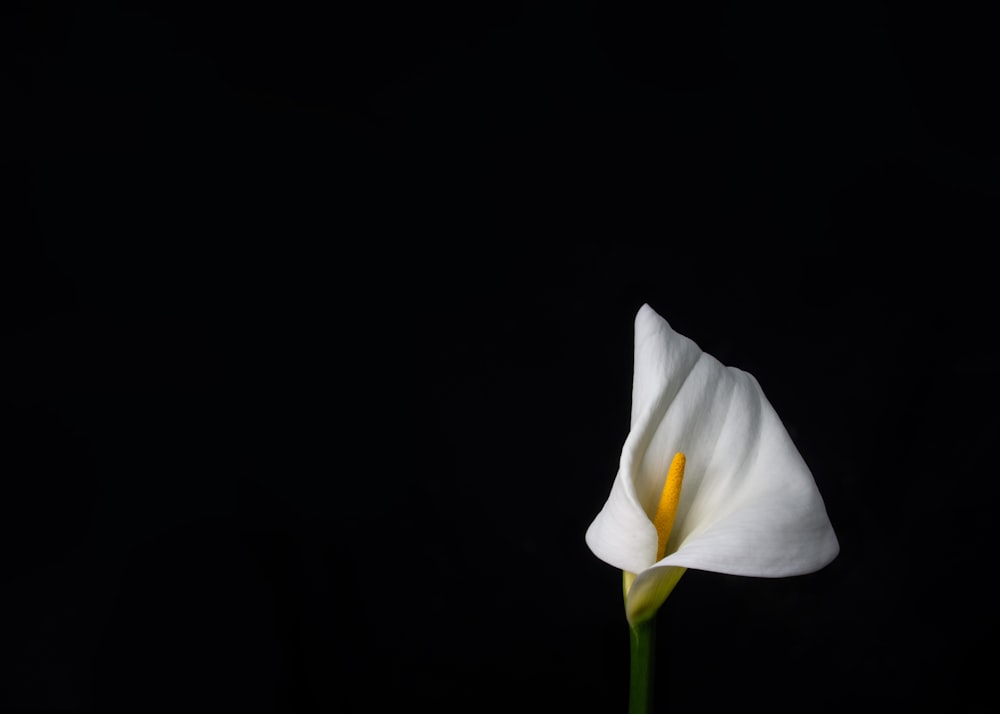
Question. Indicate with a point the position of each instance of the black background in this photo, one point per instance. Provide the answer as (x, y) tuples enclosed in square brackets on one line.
[(319, 326)]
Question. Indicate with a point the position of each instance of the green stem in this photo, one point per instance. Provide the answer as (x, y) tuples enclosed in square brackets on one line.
[(642, 638)]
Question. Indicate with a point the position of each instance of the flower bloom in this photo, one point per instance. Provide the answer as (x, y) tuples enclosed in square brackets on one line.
[(708, 479)]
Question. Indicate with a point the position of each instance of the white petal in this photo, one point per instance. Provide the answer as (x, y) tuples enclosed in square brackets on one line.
[(749, 505)]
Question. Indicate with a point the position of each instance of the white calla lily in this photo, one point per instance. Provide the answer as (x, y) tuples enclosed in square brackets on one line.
[(748, 505)]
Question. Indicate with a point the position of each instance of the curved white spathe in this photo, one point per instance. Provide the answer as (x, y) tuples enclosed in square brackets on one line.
[(749, 504)]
